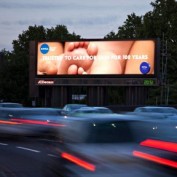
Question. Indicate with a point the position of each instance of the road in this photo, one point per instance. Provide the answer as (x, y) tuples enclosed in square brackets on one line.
[(27, 158)]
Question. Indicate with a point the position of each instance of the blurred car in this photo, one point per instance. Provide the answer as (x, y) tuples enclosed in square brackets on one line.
[(41, 122), (160, 152), (11, 105), (103, 146), (157, 109), (155, 112), (71, 107)]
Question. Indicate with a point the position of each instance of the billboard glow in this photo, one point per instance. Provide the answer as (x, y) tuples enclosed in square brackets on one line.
[(96, 58)]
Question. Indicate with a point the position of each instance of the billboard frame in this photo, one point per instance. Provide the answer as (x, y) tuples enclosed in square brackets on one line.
[(101, 80)]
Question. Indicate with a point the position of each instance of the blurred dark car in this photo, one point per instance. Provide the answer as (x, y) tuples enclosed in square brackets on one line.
[(40, 122), (103, 146), (11, 105)]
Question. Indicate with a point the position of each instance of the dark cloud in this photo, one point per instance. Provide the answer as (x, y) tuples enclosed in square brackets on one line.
[(65, 21), (5, 23), (98, 20), (35, 5), (91, 5)]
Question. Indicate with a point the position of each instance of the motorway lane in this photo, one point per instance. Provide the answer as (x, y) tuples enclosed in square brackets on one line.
[(35, 158), (29, 158)]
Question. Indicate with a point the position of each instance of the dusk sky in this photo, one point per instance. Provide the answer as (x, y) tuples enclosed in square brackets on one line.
[(90, 19)]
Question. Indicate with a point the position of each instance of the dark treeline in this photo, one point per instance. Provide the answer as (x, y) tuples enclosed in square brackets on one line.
[(160, 23)]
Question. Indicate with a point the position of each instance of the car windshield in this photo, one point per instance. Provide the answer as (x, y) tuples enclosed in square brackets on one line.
[(103, 110), (84, 111), (74, 107)]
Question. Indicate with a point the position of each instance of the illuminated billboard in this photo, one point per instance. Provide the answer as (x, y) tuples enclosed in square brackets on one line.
[(83, 61)]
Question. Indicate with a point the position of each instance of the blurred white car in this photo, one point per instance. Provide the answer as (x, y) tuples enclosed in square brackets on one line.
[(154, 112)]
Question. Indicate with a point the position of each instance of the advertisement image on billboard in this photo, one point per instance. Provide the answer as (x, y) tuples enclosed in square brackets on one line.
[(96, 58)]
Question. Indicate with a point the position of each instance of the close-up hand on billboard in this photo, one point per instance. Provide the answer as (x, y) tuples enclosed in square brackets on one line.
[(96, 57)]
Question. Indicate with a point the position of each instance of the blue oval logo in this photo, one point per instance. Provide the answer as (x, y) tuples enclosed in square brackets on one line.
[(44, 48), (145, 67)]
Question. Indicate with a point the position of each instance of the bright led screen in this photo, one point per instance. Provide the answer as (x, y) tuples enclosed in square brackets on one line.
[(96, 58)]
